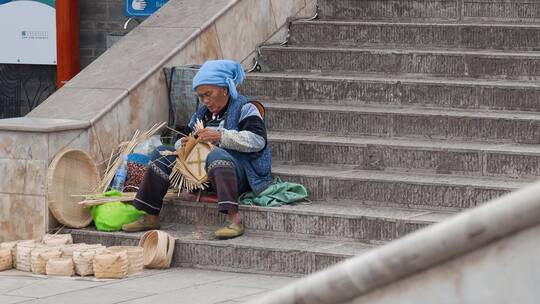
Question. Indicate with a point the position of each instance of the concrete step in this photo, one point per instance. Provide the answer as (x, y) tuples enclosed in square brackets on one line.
[(383, 89), (396, 189), (439, 63), (250, 253), (495, 126), (408, 155), (494, 36), (339, 221), (456, 10)]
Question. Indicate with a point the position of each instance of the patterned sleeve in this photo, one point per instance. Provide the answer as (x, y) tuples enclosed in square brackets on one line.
[(251, 136)]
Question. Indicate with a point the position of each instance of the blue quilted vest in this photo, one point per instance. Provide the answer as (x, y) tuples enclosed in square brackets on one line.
[(258, 165)]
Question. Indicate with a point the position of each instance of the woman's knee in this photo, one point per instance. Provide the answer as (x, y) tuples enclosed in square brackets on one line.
[(218, 154)]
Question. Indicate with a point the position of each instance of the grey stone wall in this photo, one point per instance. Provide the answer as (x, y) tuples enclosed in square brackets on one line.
[(97, 19)]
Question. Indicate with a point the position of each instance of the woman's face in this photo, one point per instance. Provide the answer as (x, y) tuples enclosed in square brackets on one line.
[(213, 97)]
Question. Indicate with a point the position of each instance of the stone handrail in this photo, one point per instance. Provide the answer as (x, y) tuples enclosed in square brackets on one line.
[(431, 247), (125, 90)]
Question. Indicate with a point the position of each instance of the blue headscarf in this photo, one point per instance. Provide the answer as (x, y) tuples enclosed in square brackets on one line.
[(223, 73)]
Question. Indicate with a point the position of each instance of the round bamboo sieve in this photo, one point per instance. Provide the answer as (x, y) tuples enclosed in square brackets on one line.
[(72, 172)]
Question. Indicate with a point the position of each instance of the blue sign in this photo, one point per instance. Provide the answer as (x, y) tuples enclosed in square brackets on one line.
[(142, 8)]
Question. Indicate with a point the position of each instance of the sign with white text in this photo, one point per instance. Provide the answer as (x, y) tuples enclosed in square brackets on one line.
[(28, 31)]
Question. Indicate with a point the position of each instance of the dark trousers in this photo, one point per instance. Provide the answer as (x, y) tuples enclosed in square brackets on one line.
[(227, 178)]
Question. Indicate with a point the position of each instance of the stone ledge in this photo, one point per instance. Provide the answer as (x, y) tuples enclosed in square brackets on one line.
[(41, 125)]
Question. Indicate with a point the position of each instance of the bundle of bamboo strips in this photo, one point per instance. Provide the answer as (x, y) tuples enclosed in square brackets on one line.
[(93, 200), (124, 149)]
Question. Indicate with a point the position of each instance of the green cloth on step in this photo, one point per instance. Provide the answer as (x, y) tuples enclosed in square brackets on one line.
[(278, 194)]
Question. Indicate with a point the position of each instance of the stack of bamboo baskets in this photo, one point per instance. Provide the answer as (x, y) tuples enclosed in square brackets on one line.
[(56, 255)]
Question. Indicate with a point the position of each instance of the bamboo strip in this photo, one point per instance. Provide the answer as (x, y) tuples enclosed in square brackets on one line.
[(126, 148)]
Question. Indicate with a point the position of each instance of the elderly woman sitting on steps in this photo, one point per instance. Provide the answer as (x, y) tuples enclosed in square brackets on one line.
[(240, 162)]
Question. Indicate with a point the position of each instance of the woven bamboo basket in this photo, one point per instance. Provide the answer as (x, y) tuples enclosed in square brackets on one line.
[(158, 249), (60, 267), (57, 239), (11, 246), (40, 256), (135, 257), (72, 172), (23, 252), (6, 259), (67, 250), (84, 259), (94, 246), (111, 265)]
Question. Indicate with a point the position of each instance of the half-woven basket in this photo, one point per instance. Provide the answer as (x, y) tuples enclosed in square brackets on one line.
[(6, 259), (135, 257), (158, 249), (189, 171), (72, 172)]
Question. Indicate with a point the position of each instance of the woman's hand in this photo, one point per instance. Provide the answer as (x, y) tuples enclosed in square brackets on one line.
[(209, 135)]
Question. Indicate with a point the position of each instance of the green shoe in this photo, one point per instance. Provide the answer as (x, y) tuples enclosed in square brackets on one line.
[(142, 224), (230, 231)]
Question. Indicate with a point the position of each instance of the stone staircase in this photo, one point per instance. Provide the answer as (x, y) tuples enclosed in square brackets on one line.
[(395, 114)]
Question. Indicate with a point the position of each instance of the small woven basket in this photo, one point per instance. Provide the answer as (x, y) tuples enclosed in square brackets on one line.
[(67, 250), (6, 259), (84, 259), (11, 246), (23, 252), (135, 257), (111, 265), (40, 256), (57, 239), (60, 267)]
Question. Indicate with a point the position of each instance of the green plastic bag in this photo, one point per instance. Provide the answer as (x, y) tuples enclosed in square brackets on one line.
[(278, 194), (111, 216)]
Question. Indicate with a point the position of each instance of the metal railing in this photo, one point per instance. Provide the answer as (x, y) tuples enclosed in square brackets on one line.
[(23, 87)]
